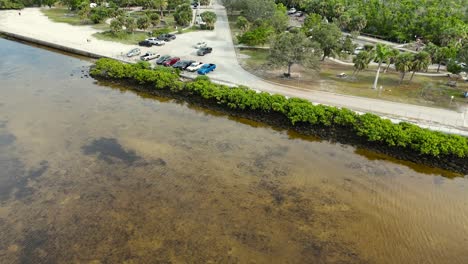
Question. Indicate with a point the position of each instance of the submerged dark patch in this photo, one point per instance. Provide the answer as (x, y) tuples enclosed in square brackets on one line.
[(33, 248), (23, 191), (44, 165), (14, 176), (11, 170), (6, 139), (109, 150)]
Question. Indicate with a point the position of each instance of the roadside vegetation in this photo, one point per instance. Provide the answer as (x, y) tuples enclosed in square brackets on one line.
[(265, 23), (298, 111)]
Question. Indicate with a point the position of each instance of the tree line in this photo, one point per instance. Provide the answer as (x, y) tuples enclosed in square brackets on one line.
[(265, 22), (439, 22), (298, 111)]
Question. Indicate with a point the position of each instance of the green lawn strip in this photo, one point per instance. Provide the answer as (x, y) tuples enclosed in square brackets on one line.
[(422, 90), (63, 15), (298, 111), (125, 38)]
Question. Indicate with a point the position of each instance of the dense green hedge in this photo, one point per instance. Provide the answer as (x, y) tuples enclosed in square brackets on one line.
[(369, 126)]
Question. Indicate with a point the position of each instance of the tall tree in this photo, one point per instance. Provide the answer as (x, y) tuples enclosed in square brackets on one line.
[(453, 67), (361, 61), (280, 20), (381, 54), (348, 45), (161, 5), (242, 23), (311, 22), (289, 48), (391, 58), (403, 64), (154, 19), (130, 24), (209, 18), (173, 4), (445, 54), (116, 26), (143, 22), (328, 35), (462, 55), (258, 9), (421, 62), (258, 35), (183, 15)]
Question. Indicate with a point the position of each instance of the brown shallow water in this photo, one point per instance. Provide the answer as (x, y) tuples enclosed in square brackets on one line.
[(96, 174)]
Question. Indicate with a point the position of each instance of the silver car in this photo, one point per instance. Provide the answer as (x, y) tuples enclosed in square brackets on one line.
[(134, 52)]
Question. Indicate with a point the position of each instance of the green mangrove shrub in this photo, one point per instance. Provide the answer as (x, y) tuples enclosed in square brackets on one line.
[(298, 111)]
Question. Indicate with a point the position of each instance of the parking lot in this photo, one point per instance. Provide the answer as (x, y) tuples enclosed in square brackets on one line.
[(223, 55)]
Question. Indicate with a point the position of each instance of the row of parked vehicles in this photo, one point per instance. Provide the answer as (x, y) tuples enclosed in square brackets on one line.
[(176, 62), (157, 41)]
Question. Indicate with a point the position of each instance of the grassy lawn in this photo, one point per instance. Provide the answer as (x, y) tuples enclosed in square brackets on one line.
[(63, 15), (422, 90), (125, 38), (256, 58)]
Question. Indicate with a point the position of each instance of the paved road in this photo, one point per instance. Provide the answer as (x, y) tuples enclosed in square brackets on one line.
[(33, 24)]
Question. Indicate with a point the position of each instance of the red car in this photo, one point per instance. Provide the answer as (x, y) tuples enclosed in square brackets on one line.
[(171, 62)]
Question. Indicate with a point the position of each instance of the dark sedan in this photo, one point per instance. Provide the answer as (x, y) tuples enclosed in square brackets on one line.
[(163, 59), (167, 37), (183, 64), (145, 43), (204, 51)]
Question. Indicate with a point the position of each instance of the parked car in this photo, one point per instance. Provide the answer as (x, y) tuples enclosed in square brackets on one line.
[(204, 51), (358, 50), (206, 68), (299, 14), (166, 37), (145, 43), (182, 64), (291, 11), (200, 45), (163, 59), (134, 52), (171, 61), (155, 41), (150, 56), (195, 66)]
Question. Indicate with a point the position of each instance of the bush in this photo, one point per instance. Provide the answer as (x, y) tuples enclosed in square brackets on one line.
[(99, 14), (183, 15), (143, 22), (209, 18), (368, 126), (256, 36), (158, 32)]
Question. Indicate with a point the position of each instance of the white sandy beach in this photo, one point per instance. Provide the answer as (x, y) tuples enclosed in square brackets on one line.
[(33, 23)]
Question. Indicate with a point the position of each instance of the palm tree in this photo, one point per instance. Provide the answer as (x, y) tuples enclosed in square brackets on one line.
[(161, 5), (403, 64), (420, 62), (391, 58), (361, 61), (381, 54), (433, 51)]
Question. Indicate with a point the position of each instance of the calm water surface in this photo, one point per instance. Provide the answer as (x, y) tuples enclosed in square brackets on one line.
[(91, 173)]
